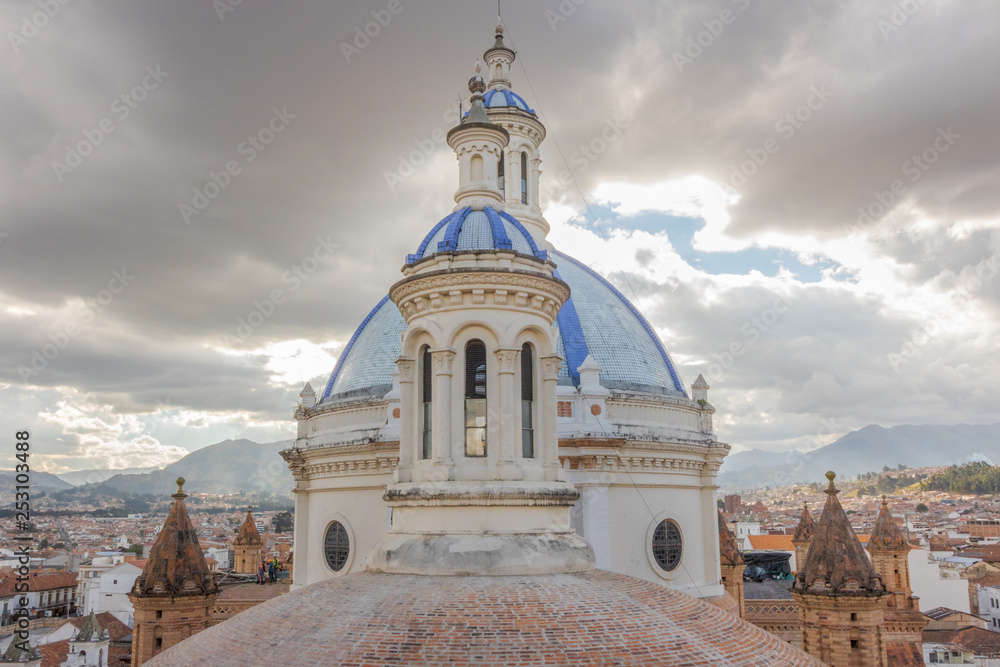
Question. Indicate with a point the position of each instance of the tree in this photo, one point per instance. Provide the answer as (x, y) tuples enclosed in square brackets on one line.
[(136, 549), (922, 508), (44, 544), (282, 522)]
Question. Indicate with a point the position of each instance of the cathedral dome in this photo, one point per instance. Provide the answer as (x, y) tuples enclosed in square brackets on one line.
[(593, 618), (466, 229), (504, 98), (597, 320)]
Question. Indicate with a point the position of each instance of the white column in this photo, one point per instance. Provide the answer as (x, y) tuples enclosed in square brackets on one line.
[(506, 363), (549, 445), (441, 445), (407, 419), (534, 197), (300, 541)]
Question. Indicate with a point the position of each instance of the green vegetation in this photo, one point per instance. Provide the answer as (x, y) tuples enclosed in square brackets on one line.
[(922, 508), (282, 522), (976, 478)]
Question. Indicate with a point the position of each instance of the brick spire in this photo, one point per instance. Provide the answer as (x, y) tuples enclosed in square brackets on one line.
[(176, 565), (886, 535), (836, 563), (806, 528), (248, 535)]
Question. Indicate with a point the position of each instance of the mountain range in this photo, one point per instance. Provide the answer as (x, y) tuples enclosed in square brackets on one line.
[(230, 466), (865, 450), (233, 466)]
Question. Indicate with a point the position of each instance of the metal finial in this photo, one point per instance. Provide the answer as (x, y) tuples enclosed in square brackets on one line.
[(476, 83), (831, 476), (180, 484)]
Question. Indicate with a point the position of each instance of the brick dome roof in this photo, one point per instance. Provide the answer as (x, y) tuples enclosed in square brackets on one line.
[(248, 535), (593, 618), (806, 528)]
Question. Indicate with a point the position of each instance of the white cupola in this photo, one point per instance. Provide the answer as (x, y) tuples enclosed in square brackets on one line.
[(477, 143)]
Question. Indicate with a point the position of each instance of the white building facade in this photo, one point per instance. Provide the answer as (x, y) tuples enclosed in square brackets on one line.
[(498, 358)]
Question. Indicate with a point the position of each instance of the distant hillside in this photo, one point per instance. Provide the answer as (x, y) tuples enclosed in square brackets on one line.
[(95, 476), (865, 450), (38, 480), (230, 466)]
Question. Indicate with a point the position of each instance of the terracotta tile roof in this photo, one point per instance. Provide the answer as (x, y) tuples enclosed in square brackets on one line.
[(728, 550), (837, 563), (248, 535), (54, 653), (983, 643), (176, 565), (38, 582), (804, 531), (116, 629), (886, 533), (904, 654), (771, 542), (585, 620)]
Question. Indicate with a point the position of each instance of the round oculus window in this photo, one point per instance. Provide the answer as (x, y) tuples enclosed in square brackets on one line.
[(667, 545), (336, 546)]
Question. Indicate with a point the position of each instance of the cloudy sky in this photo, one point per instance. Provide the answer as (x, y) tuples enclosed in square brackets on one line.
[(801, 196)]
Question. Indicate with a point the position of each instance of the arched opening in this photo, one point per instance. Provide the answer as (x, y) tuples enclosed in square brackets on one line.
[(426, 380), (524, 177), (498, 72), (475, 398), (500, 174), (476, 165), (527, 403)]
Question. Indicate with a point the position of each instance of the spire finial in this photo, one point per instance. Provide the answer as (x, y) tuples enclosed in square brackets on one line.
[(180, 488), (831, 476), (476, 83)]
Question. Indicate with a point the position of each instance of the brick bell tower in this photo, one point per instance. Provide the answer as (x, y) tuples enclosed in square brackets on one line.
[(841, 597), (889, 550), (247, 546), (803, 537), (732, 564), (175, 593)]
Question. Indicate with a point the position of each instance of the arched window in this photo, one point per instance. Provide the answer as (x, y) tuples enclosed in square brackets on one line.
[(475, 398), (498, 72), (100, 657), (500, 174), (476, 165), (524, 177), (527, 403), (426, 378)]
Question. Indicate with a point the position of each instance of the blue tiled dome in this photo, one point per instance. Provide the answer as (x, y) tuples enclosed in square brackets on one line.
[(466, 229), (497, 98), (597, 320)]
